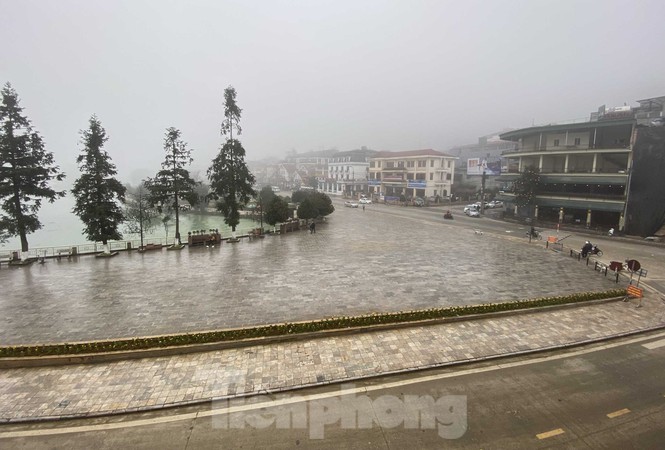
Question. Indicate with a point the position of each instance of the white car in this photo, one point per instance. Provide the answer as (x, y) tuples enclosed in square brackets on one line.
[(365, 201), (473, 207), (472, 213), (495, 204), (350, 204)]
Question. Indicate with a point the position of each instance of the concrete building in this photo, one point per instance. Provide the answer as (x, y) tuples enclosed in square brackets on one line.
[(417, 173), (587, 169), (347, 173), (473, 158)]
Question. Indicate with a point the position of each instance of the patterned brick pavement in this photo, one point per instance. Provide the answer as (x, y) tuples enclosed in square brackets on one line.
[(134, 385), (359, 262)]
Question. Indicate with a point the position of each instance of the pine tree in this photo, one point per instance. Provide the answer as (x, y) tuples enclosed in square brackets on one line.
[(173, 183), (230, 179), (26, 170), (96, 191)]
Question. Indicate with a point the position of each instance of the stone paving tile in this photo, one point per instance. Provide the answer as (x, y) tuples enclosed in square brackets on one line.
[(358, 262), (148, 383)]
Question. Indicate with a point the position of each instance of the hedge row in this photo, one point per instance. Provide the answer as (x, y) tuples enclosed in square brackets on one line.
[(295, 328)]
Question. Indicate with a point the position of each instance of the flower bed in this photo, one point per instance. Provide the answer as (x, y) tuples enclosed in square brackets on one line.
[(286, 329)]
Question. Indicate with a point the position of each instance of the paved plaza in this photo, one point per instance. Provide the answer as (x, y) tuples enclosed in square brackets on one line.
[(381, 259), (357, 262), (144, 384)]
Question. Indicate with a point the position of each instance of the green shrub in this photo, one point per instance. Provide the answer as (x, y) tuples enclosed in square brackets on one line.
[(333, 323)]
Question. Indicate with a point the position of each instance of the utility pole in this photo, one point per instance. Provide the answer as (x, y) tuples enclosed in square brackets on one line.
[(482, 192)]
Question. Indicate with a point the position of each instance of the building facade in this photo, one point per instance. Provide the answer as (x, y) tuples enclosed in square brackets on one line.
[(347, 173), (585, 168), (418, 173)]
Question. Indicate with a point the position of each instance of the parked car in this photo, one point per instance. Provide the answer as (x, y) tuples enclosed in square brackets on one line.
[(351, 204), (472, 213), (657, 122), (364, 201), (418, 201)]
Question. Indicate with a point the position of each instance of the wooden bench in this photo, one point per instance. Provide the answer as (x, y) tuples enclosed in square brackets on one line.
[(255, 233), (63, 251), (147, 247)]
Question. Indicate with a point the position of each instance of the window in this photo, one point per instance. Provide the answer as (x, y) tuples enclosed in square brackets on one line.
[(431, 176), (448, 164), (556, 142), (422, 163), (577, 141), (410, 164), (431, 163)]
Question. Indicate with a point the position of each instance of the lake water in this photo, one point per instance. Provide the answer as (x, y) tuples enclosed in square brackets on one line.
[(61, 227)]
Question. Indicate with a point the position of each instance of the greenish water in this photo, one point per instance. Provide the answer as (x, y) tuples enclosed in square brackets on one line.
[(61, 227)]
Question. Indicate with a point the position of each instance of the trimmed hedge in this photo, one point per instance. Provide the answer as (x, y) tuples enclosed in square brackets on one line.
[(284, 329)]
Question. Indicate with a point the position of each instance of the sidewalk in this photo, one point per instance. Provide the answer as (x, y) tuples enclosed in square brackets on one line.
[(138, 385)]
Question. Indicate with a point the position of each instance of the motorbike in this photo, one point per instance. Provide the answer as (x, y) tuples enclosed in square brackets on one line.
[(448, 215), (536, 234), (594, 250)]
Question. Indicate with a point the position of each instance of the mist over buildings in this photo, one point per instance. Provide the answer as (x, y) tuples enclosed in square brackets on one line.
[(320, 75)]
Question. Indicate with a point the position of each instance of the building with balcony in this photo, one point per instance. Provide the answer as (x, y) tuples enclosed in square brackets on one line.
[(347, 173), (416, 173), (587, 169)]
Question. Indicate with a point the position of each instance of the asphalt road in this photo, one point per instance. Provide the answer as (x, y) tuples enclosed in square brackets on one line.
[(601, 396)]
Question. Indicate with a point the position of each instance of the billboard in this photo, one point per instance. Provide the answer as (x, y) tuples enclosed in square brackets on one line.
[(476, 166), (418, 184)]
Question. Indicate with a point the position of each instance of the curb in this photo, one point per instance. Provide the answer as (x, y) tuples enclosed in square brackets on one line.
[(186, 403), (96, 358)]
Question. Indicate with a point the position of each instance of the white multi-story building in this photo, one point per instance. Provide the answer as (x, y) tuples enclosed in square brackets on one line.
[(416, 173), (347, 173)]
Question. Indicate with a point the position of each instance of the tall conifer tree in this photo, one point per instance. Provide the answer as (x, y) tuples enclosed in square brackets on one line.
[(230, 179), (173, 183), (98, 193), (26, 171)]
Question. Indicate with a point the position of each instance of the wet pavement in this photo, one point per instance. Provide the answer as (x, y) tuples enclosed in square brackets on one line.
[(379, 260), (357, 262), (151, 383)]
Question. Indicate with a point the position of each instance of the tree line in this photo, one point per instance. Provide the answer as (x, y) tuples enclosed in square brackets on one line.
[(27, 171)]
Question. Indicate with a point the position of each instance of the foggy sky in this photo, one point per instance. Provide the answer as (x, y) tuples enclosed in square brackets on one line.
[(313, 75)]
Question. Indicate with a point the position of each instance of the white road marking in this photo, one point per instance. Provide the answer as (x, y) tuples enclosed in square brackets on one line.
[(621, 412), (550, 434), (655, 344), (313, 397)]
